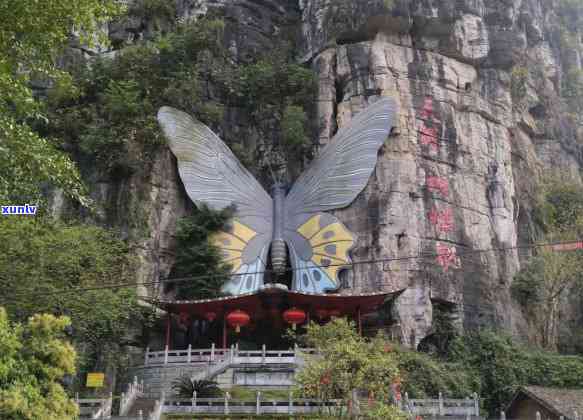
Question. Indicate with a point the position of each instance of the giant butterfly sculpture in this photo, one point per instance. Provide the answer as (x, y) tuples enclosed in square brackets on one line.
[(318, 242)]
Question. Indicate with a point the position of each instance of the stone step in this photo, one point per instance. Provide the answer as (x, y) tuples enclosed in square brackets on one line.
[(144, 404)]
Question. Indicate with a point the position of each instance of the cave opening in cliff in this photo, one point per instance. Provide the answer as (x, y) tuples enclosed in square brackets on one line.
[(444, 328)]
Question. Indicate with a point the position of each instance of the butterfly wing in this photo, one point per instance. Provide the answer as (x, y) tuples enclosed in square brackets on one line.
[(212, 175), (319, 249), (318, 242)]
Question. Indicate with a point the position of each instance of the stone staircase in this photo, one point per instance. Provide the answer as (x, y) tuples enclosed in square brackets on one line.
[(228, 366), (145, 405)]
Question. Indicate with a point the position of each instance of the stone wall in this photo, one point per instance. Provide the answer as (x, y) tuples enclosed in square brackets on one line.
[(160, 378), (455, 176)]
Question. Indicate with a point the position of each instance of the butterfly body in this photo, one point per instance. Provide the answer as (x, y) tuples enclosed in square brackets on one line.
[(294, 222), (278, 246)]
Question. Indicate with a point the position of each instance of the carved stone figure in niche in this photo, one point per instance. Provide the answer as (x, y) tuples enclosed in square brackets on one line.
[(290, 219)]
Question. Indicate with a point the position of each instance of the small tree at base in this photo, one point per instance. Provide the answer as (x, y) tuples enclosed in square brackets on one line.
[(348, 363), (33, 360)]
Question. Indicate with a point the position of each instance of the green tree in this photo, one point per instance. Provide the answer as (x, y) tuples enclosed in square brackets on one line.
[(196, 257), (559, 208), (42, 262), (348, 363), (31, 38), (544, 283), (502, 366), (113, 119), (425, 376), (34, 358)]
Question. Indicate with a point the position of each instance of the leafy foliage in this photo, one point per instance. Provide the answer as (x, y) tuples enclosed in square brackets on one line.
[(542, 285), (196, 257), (545, 282), (348, 362), (502, 366), (39, 259), (28, 161), (113, 119), (559, 208), (292, 126), (425, 376), (488, 363), (33, 360), (381, 411), (185, 387), (29, 44)]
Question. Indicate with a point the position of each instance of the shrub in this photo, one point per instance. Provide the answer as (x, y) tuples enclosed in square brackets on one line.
[(185, 387)]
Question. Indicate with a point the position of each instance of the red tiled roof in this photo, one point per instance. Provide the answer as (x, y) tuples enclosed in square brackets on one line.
[(260, 302)]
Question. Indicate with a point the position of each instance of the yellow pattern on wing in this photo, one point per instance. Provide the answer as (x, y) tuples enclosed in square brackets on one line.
[(232, 244), (330, 245), (310, 228)]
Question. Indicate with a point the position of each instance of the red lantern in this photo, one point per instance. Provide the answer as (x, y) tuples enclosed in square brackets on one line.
[(294, 316), (238, 319), (210, 316)]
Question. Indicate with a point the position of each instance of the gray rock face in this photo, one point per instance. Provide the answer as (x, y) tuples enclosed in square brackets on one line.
[(452, 181), (452, 178)]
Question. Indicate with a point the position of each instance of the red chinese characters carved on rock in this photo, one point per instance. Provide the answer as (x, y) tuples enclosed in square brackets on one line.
[(447, 257), (429, 132), (437, 184), (443, 220), (427, 111), (429, 137)]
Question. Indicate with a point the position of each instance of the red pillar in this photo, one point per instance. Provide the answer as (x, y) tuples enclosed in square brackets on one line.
[(168, 326), (225, 330), (359, 320)]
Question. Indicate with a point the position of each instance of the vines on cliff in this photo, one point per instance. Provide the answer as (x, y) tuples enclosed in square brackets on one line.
[(112, 119)]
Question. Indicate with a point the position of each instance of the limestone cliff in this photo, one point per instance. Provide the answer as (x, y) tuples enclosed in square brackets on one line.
[(453, 179)]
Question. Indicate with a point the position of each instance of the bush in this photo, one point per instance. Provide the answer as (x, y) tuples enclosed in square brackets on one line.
[(196, 257), (502, 366), (185, 387), (189, 69), (425, 376)]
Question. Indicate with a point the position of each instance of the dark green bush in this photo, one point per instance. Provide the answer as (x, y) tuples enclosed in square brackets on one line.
[(185, 387), (196, 257)]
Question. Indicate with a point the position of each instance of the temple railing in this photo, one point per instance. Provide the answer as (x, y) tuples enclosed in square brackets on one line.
[(441, 406), (95, 408), (135, 390), (232, 355), (226, 405)]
